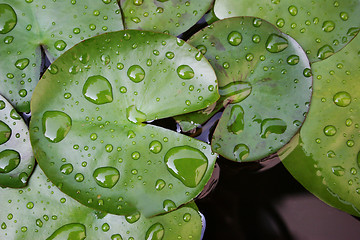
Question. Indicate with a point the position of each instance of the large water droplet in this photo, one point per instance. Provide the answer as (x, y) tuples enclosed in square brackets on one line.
[(241, 152), (9, 160), (136, 73), (73, 231), (187, 164), (325, 52), (133, 217), (338, 170), (134, 115), (234, 38), (272, 125), (169, 205), (8, 18), (56, 125), (66, 168), (155, 146), (328, 26), (276, 43), (235, 92), (22, 63), (342, 99), (330, 130), (116, 237), (98, 90), (106, 177), (5, 132), (235, 123), (60, 45), (185, 72), (155, 232)]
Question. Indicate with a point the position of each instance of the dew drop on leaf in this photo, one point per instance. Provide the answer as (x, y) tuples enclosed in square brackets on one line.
[(155, 232), (98, 90), (60, 45), (74, 231), (106, 177), (272, 125), (185, 72), (276, 43), (9, 160), (342, 99), (8, 18), (241, 152), (155, 147), (5, 132), (66, 168), (136, 73), (133, 217), (234, 38), (22, 63), (56, 125)]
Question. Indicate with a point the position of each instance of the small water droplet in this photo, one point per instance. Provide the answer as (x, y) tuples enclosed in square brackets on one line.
[(330, 130), (98, 90), (56, 125), (342, 99), (22, 63), (325, 52), (134, 115), (5, 132), (187, 164), (74, 231), (105, 227), (293, 10), (66, 168), (241, 152), (160, 184), (14, 115), (344, 16), (276, 43), (293, 59), (328, 26), (106, 177), (30, 205), (133, 217), (185, 72), (187, 217), (169, 205), (155, 232), (8, 18), (116, 237), (60, 45), (9, 160), (79, 177), (155, 146), (234, 38)]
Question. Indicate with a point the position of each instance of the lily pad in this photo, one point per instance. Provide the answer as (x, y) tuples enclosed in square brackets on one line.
[(321, 27), (89, 131), (264, 83), (42, 211), (325, 156), (27, 26), (174, 16), (16, 157)]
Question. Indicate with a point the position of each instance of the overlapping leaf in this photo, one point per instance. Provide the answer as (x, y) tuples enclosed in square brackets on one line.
[(264, 83), (25, 26), (174, 16), (321, 27), (16, 157), (41, 211), (87, 125), (325, 156)]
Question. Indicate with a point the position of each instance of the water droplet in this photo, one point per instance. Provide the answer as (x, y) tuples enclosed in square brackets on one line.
[(170, 55), (8, 18), (187, 217), (2, 105), (155, 146), (98, 90), (257, 22), (256, 38), (234, 38), (105, 59), (235, 123), (134, 115), (235, 92), (136, 73), (9, 160), (5, 132), (106, 177), (276, 43), (56, 125), (30, 205), (293, 59), (160, 184), (14, 115), (79, 177), (73, 231), (338, 170), (342, 99), (241, 152), (344, 16), (307, 72), (60, 45), (353, 31), (328, 26), (109, 148), (39, 223), (280, 22), (66, 168), (185, 72), (293, 10), (169, 205), (330, 130), (3, 226), (272, 125), (187, 164), (93, 136), (133, 217), (22, 63), (155, 232), (116, 237), (105, 227), (325, 52)]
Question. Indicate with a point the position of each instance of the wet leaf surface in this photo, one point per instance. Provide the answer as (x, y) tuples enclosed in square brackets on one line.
[(42, 211), (173, 17), (25, 26), (16, 157), (321, 27), (88, 125), (325, 156), (265, 86)]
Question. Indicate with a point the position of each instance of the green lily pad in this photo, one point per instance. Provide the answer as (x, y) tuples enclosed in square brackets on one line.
[(174, 16), (88, 129), (42, 211), (27, 26), (321, 27), (325, 156), (264, 83), (16, 157)]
